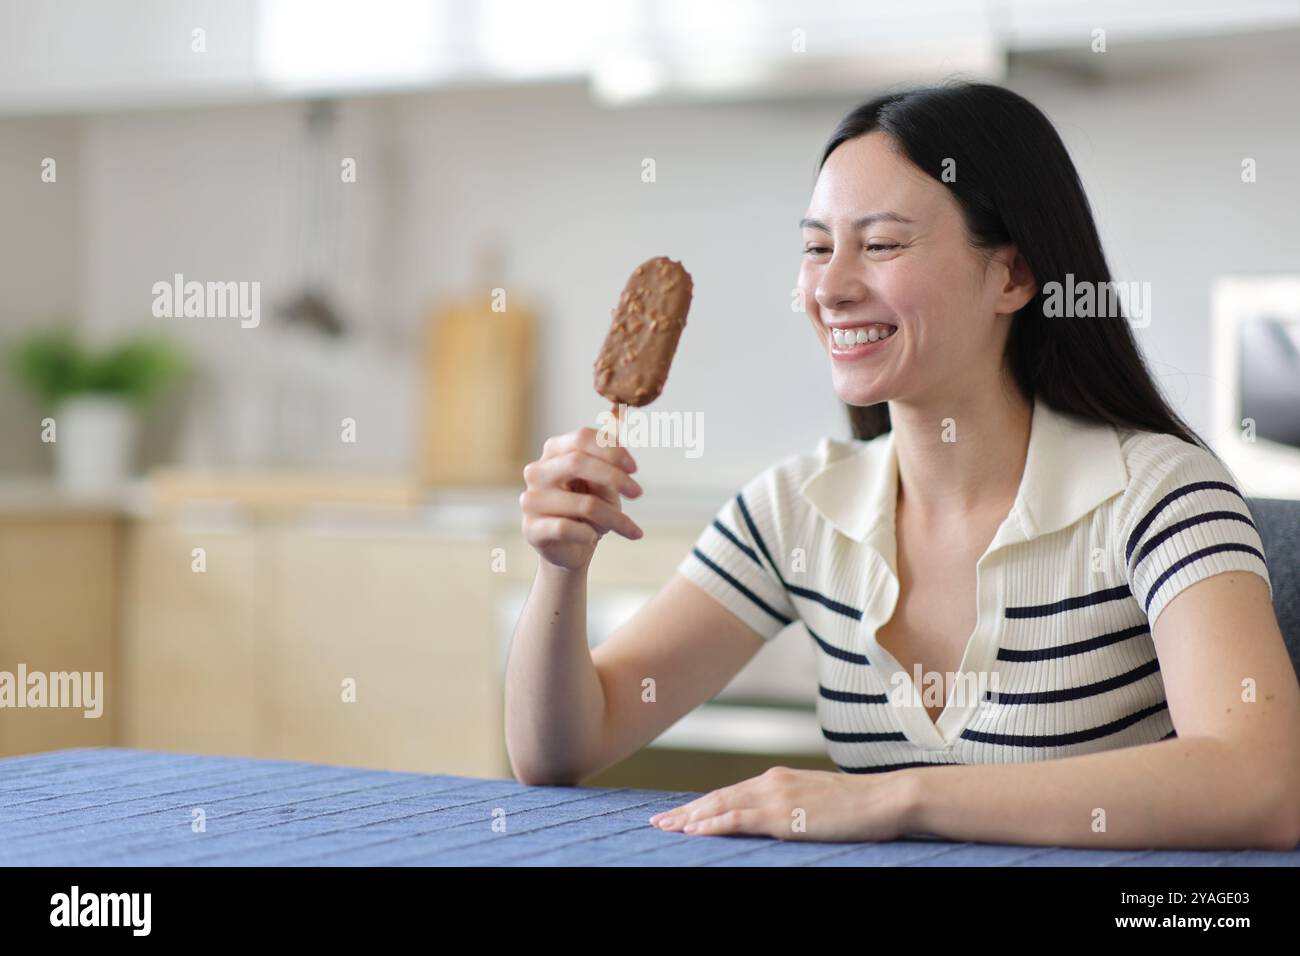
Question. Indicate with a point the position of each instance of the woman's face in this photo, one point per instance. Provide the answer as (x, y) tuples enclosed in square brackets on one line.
[(886, 256)]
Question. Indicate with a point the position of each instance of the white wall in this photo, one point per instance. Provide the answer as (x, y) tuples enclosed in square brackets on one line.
[(39, 262), (562, 182), (220, 195), (211, 193)]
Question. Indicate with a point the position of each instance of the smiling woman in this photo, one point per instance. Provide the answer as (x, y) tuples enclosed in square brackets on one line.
[(1019, 511), (969, 184)]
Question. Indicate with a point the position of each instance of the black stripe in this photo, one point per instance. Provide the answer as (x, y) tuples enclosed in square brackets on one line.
[(831, 650), (887, 767), (1150, 516), (826, 602), (1069, 604), (741, 588), (1172, 733), (849, 697), (726, 533), (1064, 740), (1075, 693), (848, 737), (1183, 525), (1077, 647), (794, 589), (758, 538), (1196, 556)]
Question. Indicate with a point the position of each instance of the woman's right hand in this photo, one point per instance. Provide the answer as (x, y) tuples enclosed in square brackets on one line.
[(571, 497)]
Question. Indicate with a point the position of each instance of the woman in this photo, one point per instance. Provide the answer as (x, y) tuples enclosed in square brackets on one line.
[(1021, 576)]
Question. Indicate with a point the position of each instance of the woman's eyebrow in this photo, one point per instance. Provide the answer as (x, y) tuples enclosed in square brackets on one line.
[(860, 223)]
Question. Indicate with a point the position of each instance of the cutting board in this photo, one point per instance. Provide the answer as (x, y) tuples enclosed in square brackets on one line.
[(478, 393)]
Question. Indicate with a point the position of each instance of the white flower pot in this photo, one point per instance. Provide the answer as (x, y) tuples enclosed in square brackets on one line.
[(94, 444)]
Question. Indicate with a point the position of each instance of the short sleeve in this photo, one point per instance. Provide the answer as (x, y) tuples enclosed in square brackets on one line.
[(733, 558), (1183, 519)]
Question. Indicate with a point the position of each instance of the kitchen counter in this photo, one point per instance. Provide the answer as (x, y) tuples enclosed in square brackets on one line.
[(340, 503), (37, 497)]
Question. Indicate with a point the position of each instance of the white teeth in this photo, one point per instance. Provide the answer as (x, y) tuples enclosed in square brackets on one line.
[(847, 338)]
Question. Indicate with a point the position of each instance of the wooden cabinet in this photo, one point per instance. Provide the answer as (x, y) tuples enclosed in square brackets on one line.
[(354, 634), (372, 649), (194, 652), (372, 641), (385, 653), (58, 604)]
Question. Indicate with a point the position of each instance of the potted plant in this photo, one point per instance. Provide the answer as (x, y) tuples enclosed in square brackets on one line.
[(93, 396)]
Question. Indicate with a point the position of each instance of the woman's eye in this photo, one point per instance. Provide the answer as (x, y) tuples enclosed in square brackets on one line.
[(871, 247)]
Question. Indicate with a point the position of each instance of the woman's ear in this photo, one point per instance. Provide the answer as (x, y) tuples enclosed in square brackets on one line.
[(1016, 281)]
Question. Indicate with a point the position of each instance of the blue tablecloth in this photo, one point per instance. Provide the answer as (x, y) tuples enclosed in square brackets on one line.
[(112, 806)]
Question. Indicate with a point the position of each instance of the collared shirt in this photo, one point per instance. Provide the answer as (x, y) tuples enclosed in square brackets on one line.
[(1107, 526)]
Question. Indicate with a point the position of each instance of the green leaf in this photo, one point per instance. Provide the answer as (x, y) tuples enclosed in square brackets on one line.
[(53, 365)]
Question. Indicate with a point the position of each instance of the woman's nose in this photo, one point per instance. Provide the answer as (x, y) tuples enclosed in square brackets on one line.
[(839, 285)]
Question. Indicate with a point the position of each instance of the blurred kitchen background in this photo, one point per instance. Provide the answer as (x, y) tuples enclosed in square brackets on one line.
[(328, 499)]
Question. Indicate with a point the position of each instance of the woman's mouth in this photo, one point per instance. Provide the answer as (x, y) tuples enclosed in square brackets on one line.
[(850, 344)]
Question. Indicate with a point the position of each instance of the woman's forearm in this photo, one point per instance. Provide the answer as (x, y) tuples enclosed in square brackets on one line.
[(555, 705), (1179, 793)]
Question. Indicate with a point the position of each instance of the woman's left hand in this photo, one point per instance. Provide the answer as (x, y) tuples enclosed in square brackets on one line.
[(793, 804)]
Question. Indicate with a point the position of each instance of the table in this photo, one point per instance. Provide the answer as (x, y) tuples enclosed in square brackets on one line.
[(121, 807)]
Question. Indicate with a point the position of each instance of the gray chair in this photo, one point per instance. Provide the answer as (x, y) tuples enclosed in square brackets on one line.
[(1278, 522)]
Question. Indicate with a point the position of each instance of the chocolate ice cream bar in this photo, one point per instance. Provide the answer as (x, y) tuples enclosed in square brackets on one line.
[(647, 324)]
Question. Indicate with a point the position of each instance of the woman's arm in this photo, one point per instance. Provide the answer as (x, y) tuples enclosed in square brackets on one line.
[(570, 711), (1230, 779), (554, 702), (574, 712)]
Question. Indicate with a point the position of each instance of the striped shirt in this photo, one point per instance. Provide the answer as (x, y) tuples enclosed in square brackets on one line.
[(1107, 526)]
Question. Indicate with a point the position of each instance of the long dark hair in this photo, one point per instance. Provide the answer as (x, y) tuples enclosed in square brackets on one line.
[(1015, 182)]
